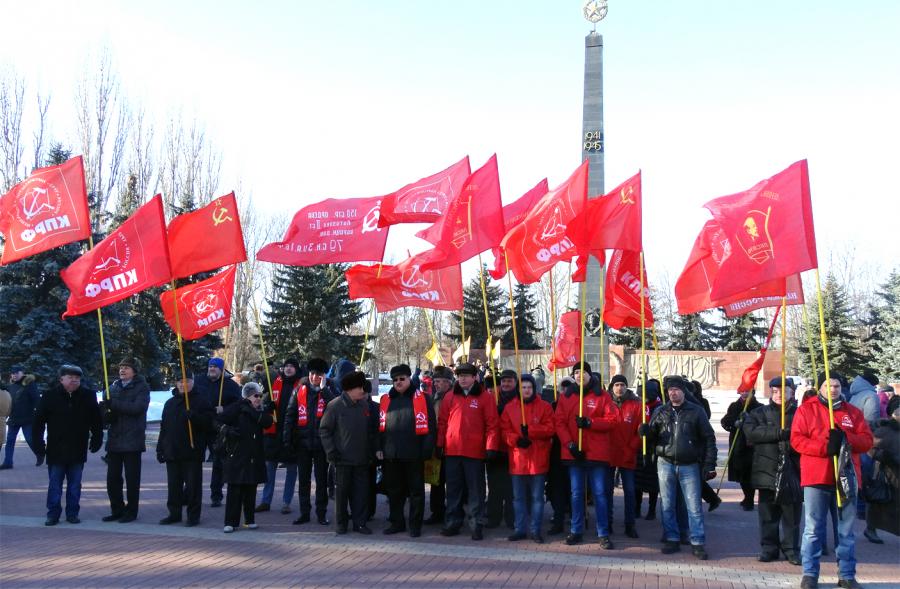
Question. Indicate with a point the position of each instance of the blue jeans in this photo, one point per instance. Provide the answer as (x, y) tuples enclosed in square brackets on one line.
[(595, 474), (11, 433), (687, 478), (528, 496), (290, 482), (627, 477), (72, 474), (816, 505)]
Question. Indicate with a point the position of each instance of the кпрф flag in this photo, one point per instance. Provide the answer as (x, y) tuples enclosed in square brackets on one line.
[(203, 307), (513, 214), (567, 341), (46, 210), (207, 238), (622, 296), (425, 200), (132, 258), (407, 285)]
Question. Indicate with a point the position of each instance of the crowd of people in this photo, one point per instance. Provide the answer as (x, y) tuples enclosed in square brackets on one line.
[(493, 448)]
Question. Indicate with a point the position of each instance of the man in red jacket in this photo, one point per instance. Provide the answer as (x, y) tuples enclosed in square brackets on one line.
[(818, 444), (623, 456), (468, 433), (529, 457)]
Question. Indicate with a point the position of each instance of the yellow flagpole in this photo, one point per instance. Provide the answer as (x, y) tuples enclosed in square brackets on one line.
[(658, 363), (827, 382), (643, 355), (512, 312), (809, 344), (224, 356), (553, 332), (487, 321), (362, 355), (783, 354), (187, 402), (581, 380), (102, 340), (262, 351), (603, 357)]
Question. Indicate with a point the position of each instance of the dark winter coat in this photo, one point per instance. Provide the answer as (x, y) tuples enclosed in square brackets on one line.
[(174, 442), (25, 399), (128, 420), (646, 478), (71, 419), (348, 432), (886, 453), (244, 459), (740, 466), (683, 435), (231, 391), (305, 438), (399, 440), (762, 429), (276, 450)]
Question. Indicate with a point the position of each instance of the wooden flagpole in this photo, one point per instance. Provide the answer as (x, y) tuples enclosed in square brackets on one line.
[(487, 321), (581, 380), (643, 358), (187, 401), (373, 310), (783, 354), (512, 312), (553, 333), (102, 340), (827, 382)]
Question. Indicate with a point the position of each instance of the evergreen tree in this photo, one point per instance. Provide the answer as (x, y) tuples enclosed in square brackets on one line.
[(742, 333), (885, 325), (693, 332), (473, 308), (310, 314), (845, 351), (630, 337), (527, 327)]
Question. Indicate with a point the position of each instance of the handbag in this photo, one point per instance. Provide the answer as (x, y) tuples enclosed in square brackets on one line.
[(787, 478), (877, 489)]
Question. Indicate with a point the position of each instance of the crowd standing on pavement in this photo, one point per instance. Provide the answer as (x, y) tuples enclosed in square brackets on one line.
[(492, 448)]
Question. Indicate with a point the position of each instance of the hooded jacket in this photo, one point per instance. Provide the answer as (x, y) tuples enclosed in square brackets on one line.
[(539, 417), (468, 424), (864, 397), (598, 406)]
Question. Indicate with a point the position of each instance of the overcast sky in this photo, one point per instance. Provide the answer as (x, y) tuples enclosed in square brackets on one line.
[(310, 100)]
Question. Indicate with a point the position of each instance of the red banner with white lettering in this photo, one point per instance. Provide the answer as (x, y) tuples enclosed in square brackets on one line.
[(132, 258), (567, 342), (770, 228), (203, 307), (425, 200), (539, 241), (206, 239), (622, 298), (332, 231), (407, 285), (46, 210), (513, 214)]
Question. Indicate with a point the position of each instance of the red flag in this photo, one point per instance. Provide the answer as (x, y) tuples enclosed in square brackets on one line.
[(331, 231), (46, 210), (770, 228), (474, 220), (539, 241), (203, 307), (407, 285), (622, 299), (612, 221), (751, 373), (513, 214), (207, 238), (425, 200), (132, 258), (567, 343), (692, 290), (742, 306)]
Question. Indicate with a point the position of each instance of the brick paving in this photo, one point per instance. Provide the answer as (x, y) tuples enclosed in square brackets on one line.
[(144, 554)]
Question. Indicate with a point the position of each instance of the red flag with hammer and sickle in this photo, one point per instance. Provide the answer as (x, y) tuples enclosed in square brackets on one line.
[(203, 307), (206, 239)]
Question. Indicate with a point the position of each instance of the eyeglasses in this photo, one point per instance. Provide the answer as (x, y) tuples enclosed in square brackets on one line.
[(257, 396), (399, 379)]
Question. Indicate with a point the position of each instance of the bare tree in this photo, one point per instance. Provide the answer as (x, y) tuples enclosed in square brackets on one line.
[(190, 171), (43, 105), (12, 107)]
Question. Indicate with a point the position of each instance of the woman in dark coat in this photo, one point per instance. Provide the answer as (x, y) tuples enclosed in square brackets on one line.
[(740, 466), (244, 463), (886, 454)]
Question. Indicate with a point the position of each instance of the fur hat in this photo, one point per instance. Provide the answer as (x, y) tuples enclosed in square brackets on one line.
[(132, 363), (466, 368), (292, 362), (618, 378), (317, 365), (676, 382), (581, 366), (354, 380), (250, 388), (16, 368), (400, 370), (442, 372)]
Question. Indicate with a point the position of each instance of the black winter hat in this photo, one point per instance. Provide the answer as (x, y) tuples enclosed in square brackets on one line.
[(618, 378), (292, 362), (132, 363), (354, 380), (581, 366), (776, 382), (400, 370), (676, 382), (466, 368), (188, 374), (70, 369), (834, 376), (509, 374), (442, 372), (317, 365)]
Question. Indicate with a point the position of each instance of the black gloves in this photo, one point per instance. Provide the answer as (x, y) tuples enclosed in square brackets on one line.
[(492, 455), (583, 422), (269, 406), (524, 429), (644, 430), (438, 452), (835, 439), (739, 423), (523, 443), (160, 458), (784, 435), (575, 452)]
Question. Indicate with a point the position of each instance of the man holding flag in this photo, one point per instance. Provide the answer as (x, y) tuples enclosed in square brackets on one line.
[(220, 392)]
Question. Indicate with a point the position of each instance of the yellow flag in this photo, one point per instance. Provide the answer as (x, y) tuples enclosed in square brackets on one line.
[(433, 355), (495, 353), (462, 350)]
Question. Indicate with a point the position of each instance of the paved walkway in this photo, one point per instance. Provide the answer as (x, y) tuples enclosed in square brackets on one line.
[(144, 554)]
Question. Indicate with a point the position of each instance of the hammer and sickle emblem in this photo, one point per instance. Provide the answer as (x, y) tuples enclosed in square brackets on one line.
[(220, 215), (625, 196)]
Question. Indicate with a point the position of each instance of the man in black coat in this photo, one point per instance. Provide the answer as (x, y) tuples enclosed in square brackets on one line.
[(301, 438), (348, 438), (25, 396), (220, 391), (771, 444), (407, 431), (183, 435), (125, 414), (70, 413)]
